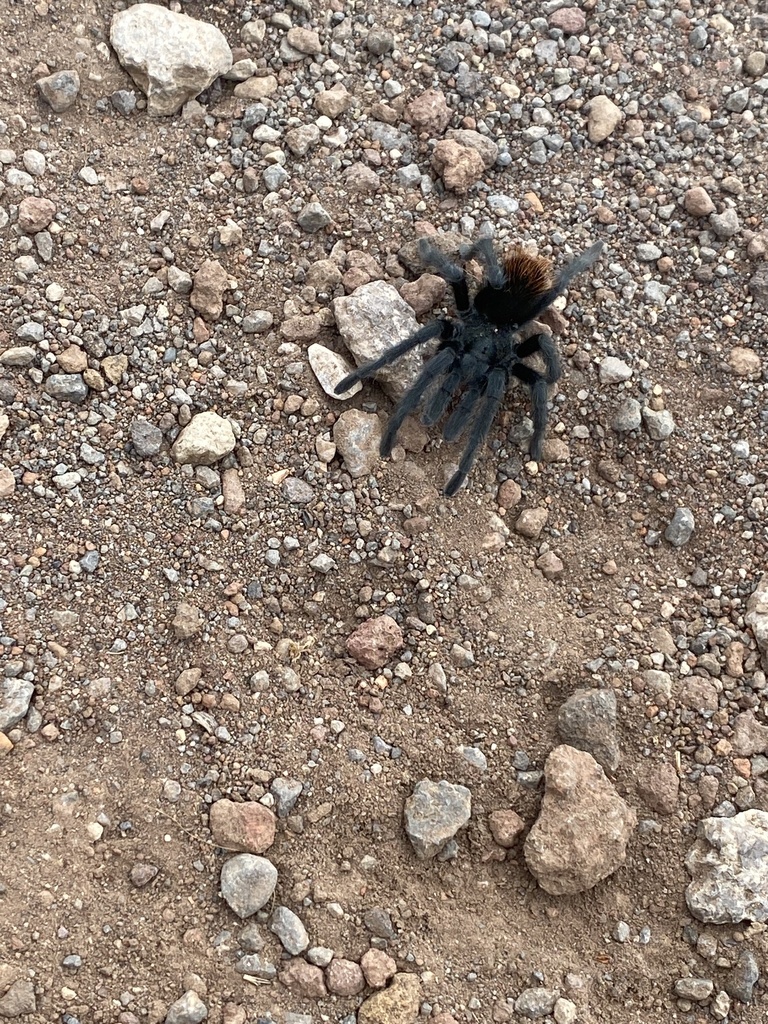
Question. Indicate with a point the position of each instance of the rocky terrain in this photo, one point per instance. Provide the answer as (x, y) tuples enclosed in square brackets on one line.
[(287, 736)]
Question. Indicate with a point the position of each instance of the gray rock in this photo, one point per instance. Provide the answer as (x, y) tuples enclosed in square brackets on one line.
[(697, 38), (124, 101), (536, 1002), (587, 721), (60, 90), (681, 527), (146, 438), (725, 224), (286, 792), (614, 371), (659, 424), (373, 319), (257, 322), (67, 387), (379, 41), (583, 828), (297, 491), (330, 368), (357, 436), (19, 1000), (190, 1009), (171, 57), (757, 617), (253, 964), (628, 416), (314, 217), (290, 930), (205, 440), (15, 695), (247, 883), (737, 101), (729, 869), (695, 989), (758, 286), (744, 976), (434, 813), (30, 331), (19, 355), (648, 252), (275, 177)]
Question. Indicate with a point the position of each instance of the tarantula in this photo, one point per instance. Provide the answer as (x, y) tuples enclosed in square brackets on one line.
[(481, 350)]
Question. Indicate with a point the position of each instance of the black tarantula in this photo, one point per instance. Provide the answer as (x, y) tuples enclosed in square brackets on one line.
[(481, 350)]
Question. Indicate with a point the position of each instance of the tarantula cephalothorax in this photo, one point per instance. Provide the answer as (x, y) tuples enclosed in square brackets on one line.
[(481, 350)]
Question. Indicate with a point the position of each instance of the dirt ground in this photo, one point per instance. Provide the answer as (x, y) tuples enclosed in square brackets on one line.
[(110, 771)]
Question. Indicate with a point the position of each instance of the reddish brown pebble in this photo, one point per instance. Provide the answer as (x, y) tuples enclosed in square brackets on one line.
[(344, 977), (377, 967), (304, 979), (506, 827), (245, 828), (375, 641)]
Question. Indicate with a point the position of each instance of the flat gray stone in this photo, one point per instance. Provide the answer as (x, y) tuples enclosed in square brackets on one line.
[(15, 695), (289, 928), (434, 813), (247, 883), (728, 865)]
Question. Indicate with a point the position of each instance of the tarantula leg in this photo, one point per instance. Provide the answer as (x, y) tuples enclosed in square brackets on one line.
[(484, 251), (437, 328), (449, 271), (539, 398), (492, 397), (542, 343), (438, 403), (434, 368), (462, 414), (574, 268)]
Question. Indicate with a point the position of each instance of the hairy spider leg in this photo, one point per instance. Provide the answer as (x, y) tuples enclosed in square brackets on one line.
[(483, 249), (575, 267), (541, 343), (437, 328), (493, 393), (440, 400), (539, 398), (434, 368), (449, 271), (462, 414)]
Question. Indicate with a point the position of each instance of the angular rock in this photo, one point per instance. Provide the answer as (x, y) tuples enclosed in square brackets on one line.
[(506, 827), (429, 112), (659, 786), (744, 362), (729, 869), (19, 999), (15, 697), (333, 101), (210, 283), (247, 883), (531, 522), (187, 621), (60, 90), (459, 166), (757, 617), (680, 528), (481, 144), (398, 1004), (613, 370), (242, 827), (146, 437), (330, 368), (373, 319), (758, 287), (357, 436), (67, 387), (587, 721), (583, 828), (423, 294), (313, 218), (171, 57), (207, 438), (744, 977), (534, 1003), (603, 119), (375, 641), (628, 416), (659, 423), (304, 979), (190, 1009), (434, 813)]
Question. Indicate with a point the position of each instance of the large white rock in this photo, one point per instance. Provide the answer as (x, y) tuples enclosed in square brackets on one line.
[(171, 57), (205, 440)]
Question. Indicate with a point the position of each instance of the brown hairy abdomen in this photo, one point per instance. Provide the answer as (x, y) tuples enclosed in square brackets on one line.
[(526, 274)]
